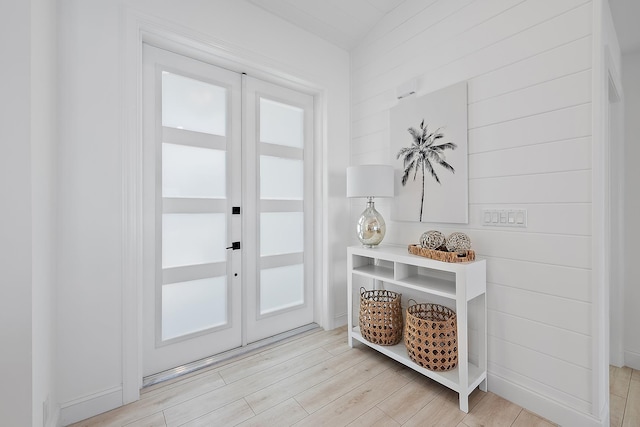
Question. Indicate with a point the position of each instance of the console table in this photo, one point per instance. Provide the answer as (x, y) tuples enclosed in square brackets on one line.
[(461, 286)]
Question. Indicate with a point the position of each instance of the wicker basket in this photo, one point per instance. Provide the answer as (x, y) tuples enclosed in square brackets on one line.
[(431, 336), (462, 256), (380, 317)]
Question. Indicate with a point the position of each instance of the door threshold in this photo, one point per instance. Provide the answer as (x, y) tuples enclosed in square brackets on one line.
[(207, 362)]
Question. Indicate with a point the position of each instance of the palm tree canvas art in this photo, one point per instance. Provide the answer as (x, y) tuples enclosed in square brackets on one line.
[(424, 152), (429, 155)]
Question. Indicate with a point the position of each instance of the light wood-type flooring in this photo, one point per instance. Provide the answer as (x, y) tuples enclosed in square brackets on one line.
[(624, 395), (316, 380)]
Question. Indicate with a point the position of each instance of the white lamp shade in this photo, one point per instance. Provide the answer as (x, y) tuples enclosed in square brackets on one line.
[(370, 181)]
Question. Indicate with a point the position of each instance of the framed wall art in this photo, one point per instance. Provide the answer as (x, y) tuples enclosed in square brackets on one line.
[(429, 155)]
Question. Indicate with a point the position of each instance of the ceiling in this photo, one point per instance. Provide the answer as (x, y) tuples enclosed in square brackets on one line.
[(626, 14), (346, 22), (341, 22)]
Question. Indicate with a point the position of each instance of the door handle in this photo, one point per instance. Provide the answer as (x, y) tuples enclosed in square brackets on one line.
[(235, 246)]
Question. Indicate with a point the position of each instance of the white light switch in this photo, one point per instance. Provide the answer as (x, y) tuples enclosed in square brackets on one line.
[(504, 217)]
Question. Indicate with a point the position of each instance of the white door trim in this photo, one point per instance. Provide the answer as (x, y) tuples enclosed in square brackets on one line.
[(603, 72), (615, 131), (139, 28), (599, 321)]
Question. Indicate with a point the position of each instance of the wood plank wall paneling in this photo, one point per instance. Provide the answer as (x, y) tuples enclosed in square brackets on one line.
[(568, 155), (472, 29), (557, 125), (565, 60), (556, 280), (563, 313), (548, 35), (528, 68), (552, 95), (407, 24), (556, 218), (557, 187), (510, 328), (563, 376)]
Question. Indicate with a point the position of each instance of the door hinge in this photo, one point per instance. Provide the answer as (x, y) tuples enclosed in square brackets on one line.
[(235, 246)]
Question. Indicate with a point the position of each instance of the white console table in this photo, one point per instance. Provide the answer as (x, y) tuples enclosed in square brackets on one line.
[(461, 284)]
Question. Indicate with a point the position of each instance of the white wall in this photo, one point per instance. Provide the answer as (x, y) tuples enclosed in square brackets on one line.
[(27, 228), (89, 285), (15, 226), (528, 67), (43, 174), (631, 84), (90, 330)]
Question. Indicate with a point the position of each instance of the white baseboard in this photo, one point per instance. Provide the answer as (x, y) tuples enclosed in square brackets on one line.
[(632, 359), (541, 405), (54, 418), (89, 406), (339, 320)]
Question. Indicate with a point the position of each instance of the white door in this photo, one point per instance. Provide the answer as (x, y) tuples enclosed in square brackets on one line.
[(222, 165), (192, 303), (279, 203)]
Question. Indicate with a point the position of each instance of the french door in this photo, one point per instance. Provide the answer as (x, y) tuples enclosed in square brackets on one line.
[(228, 184), (279, 185)]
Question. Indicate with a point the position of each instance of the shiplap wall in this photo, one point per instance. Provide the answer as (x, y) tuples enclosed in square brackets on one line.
[(528, 68)]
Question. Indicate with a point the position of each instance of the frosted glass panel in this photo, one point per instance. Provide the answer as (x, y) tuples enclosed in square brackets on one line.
[(193, 105), (281, 179), (189, 239), (281, 233), (281, 288), (193, 172), (281, 123), (193, 306)]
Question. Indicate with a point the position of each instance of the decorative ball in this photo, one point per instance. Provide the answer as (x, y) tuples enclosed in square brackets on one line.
[(458, 242), (432, 239)]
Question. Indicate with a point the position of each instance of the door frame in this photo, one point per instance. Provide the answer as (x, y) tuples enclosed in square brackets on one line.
[(605, 76), (616, 223), (139, 28)]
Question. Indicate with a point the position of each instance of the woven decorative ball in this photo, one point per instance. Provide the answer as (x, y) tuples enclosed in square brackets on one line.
[(458, 242), (432, 239)]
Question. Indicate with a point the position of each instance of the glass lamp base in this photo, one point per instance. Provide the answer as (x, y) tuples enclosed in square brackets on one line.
[(371, 227)]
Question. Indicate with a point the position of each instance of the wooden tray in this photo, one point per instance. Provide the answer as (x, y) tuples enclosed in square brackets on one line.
[(464, 256)]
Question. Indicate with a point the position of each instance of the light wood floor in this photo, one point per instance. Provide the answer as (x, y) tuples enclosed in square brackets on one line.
[(317, 380), (624, 395)]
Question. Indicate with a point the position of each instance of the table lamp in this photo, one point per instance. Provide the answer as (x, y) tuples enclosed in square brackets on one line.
[(370, 181)]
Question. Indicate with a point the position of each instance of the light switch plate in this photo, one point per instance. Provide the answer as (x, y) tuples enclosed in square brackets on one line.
[(504, 217)]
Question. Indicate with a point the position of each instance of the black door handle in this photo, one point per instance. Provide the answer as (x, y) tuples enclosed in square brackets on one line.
[(234, 246)]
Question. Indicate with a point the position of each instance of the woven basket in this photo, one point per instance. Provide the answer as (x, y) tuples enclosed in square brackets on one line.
[(380, 317), (431, 336), (462, 256)]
